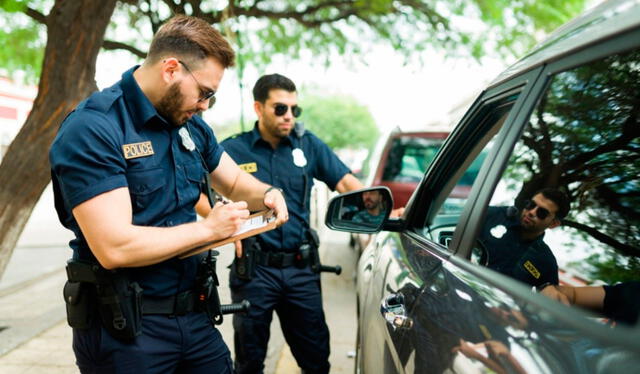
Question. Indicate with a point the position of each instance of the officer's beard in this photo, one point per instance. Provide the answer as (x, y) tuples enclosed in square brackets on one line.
[(170, 104)]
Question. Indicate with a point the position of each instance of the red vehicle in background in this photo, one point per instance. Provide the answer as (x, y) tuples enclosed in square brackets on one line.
[(402, 160)]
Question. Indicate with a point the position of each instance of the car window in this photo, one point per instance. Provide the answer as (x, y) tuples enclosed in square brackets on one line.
[(409, 158), (445, 210), (582, 141)]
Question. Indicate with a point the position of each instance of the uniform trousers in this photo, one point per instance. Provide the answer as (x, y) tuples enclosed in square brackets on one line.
[(295, 295), (168, 344)]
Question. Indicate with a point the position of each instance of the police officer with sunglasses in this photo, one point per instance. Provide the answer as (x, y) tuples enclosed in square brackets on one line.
[(278, 276), (513, 238)]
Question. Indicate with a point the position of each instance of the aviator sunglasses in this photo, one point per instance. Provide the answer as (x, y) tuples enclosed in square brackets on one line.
[(281, 110), (205, 93), (541, 212)]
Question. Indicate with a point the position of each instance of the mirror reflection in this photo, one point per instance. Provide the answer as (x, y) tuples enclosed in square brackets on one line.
[(360, 211)]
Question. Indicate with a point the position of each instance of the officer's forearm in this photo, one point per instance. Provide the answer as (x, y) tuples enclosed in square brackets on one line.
[(237, 185), (348, 183), (105, 221), (251, 190)]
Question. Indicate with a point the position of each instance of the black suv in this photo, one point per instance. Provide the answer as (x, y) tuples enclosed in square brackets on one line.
[(447, 288)]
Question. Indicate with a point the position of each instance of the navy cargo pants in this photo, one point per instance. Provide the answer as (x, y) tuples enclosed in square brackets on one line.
[(295, 295), (168, 344)]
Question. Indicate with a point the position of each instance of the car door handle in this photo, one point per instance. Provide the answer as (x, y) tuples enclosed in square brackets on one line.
[(394, 312)]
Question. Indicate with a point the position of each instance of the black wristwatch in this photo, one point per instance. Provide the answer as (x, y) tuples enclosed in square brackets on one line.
[(274, 188)]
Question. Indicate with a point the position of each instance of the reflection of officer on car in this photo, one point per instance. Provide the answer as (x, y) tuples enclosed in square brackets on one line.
[(374, 210), (514, 239), (274, 273), (128, 166)]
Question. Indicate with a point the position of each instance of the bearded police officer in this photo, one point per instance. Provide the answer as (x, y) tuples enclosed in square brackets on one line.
[(128, 166), (275, 272)]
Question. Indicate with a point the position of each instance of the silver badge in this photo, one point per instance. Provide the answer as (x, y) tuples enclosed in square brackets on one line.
[(187, 142), (498, 231), (298, 158)]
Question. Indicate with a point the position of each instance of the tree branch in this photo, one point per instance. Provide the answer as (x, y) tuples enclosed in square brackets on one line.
[(112, 45), (36, 16), (631, 130), (622, 248)]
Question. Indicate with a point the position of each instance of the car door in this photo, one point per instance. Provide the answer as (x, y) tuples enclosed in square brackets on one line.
[(401, 272), (574, 125)]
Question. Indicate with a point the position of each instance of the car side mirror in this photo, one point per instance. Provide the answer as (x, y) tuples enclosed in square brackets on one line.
[(363, 211)]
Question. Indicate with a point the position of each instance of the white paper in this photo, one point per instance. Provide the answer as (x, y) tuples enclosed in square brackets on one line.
[(254, 223)]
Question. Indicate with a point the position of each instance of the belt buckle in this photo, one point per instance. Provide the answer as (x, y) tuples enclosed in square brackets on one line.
[(275, 259)]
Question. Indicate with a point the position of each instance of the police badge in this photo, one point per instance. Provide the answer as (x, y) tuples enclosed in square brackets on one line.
[(187, 142)]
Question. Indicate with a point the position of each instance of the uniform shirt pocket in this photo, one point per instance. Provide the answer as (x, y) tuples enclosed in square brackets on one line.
[(144, 186), (295, 183)]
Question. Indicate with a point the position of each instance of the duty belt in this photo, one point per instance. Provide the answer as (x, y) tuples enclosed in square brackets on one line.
[(176, 305), (276, 259)]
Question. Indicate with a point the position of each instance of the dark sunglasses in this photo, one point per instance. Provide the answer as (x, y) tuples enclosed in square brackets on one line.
[(541, 212), (205, 93), (281, 110)]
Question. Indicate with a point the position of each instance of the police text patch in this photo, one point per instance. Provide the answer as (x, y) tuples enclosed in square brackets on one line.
[(532, 269), (250, 167), (135, 150)]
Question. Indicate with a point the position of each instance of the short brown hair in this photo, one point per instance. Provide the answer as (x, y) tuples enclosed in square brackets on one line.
[(191, 39)]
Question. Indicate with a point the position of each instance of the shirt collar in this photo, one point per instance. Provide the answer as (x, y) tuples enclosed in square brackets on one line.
[(140, 108), (255, 137)]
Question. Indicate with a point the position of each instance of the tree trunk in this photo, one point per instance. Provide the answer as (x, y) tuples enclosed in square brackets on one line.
[(75, 30)]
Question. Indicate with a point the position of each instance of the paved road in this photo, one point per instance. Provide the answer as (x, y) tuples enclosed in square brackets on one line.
[(34, 337)]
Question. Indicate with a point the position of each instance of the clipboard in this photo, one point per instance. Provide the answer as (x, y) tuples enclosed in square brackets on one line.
[(257, 223)]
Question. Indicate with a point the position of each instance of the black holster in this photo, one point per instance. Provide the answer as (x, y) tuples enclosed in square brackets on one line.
[(309, 250), (245, 265), (116, 299), (207, 283)]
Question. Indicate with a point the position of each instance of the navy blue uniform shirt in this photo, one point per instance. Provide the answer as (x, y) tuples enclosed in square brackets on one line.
[(530, 261), (277, 167), (116, 138)]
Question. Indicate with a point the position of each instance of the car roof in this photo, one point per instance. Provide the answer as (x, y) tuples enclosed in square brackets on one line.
[(601, 22)]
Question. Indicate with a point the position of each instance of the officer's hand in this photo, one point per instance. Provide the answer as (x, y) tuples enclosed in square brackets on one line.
[(554, 293), (396, 213), (225, 219), (275, 200)]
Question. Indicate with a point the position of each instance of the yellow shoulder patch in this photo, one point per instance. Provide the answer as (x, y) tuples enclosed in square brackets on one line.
[(485, 331), (250, 167), (532, 269), (135, 150)]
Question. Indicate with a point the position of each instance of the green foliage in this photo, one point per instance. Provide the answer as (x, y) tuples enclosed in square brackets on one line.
[(339, 120), (22, 40), (612, 268), (349, 28)]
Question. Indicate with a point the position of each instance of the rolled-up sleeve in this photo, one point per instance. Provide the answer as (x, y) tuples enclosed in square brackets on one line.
[(86, 158)]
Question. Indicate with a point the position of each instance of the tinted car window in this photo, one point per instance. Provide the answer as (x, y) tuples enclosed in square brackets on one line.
[(583, 138), (409, 159), (447, 206)]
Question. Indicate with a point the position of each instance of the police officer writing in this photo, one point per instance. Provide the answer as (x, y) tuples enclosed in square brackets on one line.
[(514, 238), (128, 166), (275, 271)]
